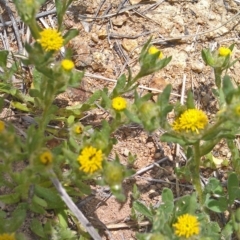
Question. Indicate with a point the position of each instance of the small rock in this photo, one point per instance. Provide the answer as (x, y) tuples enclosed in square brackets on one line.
[(129, 44), (94, 37), (102, 34), (197, 67), (125, 152), (120, 20)]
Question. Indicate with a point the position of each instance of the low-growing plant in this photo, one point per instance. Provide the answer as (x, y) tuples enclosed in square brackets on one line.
[(82, 152)]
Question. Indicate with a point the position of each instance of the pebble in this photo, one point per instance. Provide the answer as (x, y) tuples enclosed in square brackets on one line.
[(197, 66)]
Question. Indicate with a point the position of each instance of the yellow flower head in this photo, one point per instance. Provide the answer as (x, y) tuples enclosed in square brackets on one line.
[(77, 128), (7, 236), (46, 157), (154, 50), (90, 160), (50, 39), (190, 120), (223, 51), (2, 126), (119, 103), (186, 226), (67, 64), (236, 111)]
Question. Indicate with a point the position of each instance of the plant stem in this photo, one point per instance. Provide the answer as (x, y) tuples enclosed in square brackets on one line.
[(196, 171), (218, 80)]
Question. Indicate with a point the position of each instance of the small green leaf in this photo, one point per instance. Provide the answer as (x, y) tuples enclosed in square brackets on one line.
[(217, 205), (141, 208), (3, 58), (37, 228), (62, 217), (39, 201), (72, 33), (10, 198), (171, 137), (233, 188), (20, 106)]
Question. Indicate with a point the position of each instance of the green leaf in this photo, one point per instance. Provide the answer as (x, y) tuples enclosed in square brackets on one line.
[(190, 100), (37, 228), (171, 137), (17, 218), (39, 201), (62, 217), (70, 35), (228, 89), (51, 196), (214, 187), (132, 117), (141, 208), (167, 195), (36, 208), (121, 81), (20, 106), (217, 205), (3, 58), (10, 198), (233, 188)]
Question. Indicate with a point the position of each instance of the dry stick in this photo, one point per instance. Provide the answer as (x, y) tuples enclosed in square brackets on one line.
[(96, 14), (149, 167), (43, 14), (15, 27), (75, 210), (114, 81), (153, 6), (112, 14), (4, 37)]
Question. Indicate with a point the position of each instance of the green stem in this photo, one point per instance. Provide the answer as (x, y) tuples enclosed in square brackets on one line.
[(196, 171), (34, 28), (218, 79)]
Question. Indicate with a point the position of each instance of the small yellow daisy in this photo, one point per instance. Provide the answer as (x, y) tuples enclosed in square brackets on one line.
[(51, 39), (223, 51), (190, 120), (90, 159), (46, 157), (7, 236), (154, 50), (119, 103), (67, 64), (2, 126), (186, 226)]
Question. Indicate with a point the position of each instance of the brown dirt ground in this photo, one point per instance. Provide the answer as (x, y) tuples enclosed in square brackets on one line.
[(105, 46)]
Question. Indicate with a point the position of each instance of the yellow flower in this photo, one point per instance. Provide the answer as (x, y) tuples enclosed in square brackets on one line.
[(186, 226), (191, 120), (223, 51), (2, 126), (90, 159), (50, 39), (119, 103), (67, 64), (236, 111), (77, 128), (7, 236), (46, 157), (154, 50)]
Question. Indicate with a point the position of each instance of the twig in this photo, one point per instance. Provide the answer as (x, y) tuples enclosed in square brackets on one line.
[(143, 170), (75, 210), (97, 12), (114, 81), (43, 14), (15, 27), (128, 8)]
